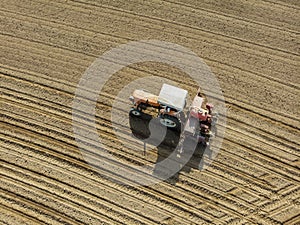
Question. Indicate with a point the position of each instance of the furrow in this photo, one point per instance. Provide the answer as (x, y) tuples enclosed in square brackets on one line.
[(10, 215), (118, 36), (71, 134), (258, 156), (227, 15), (266, 138), (181, 207), (223, 63), (137, 159), (42, 212), (192, 27), (287, 139), (23, 132), (93, 191), (283, 4), (53, 112), (241, 105), (51, 201)]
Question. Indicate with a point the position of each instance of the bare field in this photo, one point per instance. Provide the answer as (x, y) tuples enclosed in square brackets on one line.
[(251, 46)]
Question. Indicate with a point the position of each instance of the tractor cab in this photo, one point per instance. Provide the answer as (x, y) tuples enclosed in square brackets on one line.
[(172, 98), (173, 101)]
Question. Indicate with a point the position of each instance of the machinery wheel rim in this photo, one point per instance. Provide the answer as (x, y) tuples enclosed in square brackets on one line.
[(135, 113), (167, 122)]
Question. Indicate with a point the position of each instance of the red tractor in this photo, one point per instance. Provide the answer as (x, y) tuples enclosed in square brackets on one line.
[(170, 104)]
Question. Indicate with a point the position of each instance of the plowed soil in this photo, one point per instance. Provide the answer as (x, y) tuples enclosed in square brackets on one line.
[(251, 46)]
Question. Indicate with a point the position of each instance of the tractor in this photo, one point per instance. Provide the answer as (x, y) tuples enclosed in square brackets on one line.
[(170, 105)]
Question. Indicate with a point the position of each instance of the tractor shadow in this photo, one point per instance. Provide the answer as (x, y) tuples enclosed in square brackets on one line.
[(194, 151)]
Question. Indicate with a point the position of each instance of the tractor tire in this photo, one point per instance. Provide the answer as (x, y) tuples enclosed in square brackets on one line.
[(135, 113), (170, 122)]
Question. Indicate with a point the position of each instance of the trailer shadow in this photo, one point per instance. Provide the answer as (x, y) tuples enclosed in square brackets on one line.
[(194, 151)]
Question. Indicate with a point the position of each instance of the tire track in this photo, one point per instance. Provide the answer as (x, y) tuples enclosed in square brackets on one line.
[(260, 145), (234, 116), (68, 112), (280, 3), (44, 51), (293, 177), (227, 15), (40, 58), (261, 137), (254, 179), (130, 155), (187, 175), (237, 103), (18, 213), (239, 106), (42, 210), (68, 26), (79, 192), (143, 162), (21, 188), (163, 199), (184, 25), (215, 63), (254, 10), (292, 87), (132, 39), (58, 202)]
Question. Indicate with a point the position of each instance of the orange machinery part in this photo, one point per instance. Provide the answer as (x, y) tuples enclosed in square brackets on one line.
[(141, 96)]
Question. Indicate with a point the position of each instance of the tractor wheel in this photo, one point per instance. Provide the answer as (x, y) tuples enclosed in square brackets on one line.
[(135, 112), (170, 122)]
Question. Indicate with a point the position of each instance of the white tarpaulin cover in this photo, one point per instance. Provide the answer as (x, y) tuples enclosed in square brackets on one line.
[(173, 97)]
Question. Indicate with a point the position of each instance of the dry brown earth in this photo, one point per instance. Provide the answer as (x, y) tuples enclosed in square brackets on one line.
[(251, 46)]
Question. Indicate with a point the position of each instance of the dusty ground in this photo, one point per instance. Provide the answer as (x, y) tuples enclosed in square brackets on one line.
[(251, 46)]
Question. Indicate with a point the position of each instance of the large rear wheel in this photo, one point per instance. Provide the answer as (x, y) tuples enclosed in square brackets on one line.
[(170, 122)]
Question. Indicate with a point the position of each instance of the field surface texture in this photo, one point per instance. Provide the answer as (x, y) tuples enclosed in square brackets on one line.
[(252, 48)]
